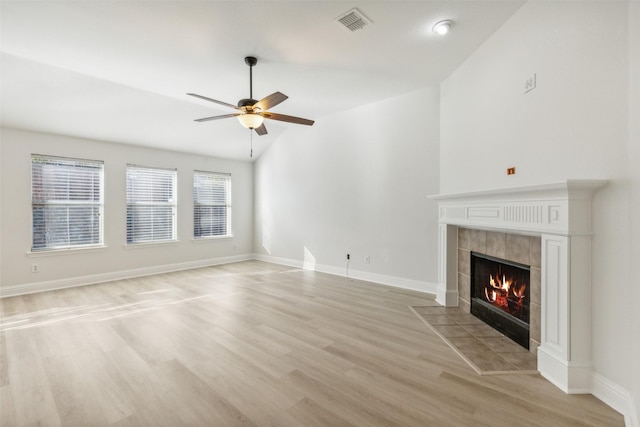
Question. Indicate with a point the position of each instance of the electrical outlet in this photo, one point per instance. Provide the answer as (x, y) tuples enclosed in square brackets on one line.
[(348, 256), (35, 268), (511, 171), (367, 259), (530, 83)]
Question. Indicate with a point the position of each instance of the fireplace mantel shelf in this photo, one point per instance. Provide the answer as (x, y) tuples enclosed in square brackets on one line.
[(560, 213), (557, 188), (562, 208)]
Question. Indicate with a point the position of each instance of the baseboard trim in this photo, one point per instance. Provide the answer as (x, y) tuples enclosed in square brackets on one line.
[(616, 397), (381, 279), (52, 285), (573, 379), (277, 260), (396, 282), (446, 297)]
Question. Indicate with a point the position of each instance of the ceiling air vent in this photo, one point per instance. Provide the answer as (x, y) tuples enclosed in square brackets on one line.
[(354, 20)]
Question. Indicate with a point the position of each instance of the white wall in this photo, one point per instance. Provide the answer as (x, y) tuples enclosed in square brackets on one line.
[(575, 124), (356, 182), (74, 267), (634, 162), (569, 126)]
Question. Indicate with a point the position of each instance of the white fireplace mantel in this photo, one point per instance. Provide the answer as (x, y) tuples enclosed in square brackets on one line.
[(560, 213)]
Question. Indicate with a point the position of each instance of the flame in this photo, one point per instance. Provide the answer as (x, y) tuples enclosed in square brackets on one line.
[(519, 291), (505, 293), (505, 284), (493, 296)]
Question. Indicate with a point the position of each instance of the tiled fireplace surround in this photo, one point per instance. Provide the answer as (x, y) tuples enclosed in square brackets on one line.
[(512, 247), (553, 220)]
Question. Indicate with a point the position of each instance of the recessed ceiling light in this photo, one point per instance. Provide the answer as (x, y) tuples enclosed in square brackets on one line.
[(443, 27)]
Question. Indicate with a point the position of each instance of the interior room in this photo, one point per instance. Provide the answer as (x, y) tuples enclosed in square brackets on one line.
[(280, 204)]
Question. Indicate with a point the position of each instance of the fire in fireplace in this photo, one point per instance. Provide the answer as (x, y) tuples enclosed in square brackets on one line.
[(500, 295)]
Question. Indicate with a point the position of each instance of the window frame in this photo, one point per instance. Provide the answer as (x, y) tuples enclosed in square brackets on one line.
[(69, 203), (198, 205), (133, 205)]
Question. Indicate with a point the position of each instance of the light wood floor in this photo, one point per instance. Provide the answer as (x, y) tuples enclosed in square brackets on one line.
[(253, 344)]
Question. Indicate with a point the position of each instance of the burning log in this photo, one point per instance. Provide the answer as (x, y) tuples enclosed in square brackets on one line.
[(505, 293)]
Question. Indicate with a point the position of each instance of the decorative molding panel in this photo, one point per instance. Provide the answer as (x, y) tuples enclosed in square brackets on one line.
[(556, 310), (534, 209), (524, 214), (447, 265)]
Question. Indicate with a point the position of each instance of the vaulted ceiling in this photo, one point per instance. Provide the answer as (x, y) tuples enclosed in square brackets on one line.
[(119, 71)]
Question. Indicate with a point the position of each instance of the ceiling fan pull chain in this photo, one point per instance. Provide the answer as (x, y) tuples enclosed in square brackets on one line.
[(251, 133)]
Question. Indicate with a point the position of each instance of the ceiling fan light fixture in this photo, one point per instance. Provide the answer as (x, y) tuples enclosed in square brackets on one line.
[(250, 120), (443, 27)]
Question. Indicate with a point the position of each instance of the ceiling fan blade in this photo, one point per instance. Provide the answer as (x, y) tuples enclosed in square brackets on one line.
[(261, 130), (270, 101), (214, 100), (285, 118), (224, 116)]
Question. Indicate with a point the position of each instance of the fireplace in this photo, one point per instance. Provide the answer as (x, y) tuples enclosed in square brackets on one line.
[(559, 215), (500, 292)]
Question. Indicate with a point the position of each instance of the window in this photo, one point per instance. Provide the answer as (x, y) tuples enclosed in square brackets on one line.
[(66, 202), (211, 204), (151, 204)]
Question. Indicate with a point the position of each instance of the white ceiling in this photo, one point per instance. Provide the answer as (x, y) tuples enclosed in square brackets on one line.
[(118, 70)]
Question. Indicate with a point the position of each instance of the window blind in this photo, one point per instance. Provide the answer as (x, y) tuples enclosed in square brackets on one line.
[(66, 202), (151, 204), (211, 204)]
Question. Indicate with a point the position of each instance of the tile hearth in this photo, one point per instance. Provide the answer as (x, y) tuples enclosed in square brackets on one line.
[(486, 350)]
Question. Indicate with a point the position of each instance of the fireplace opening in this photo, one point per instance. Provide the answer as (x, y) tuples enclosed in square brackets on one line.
[(500, 295)]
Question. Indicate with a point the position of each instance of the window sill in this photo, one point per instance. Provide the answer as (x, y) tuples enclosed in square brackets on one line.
[(65, 251), (148, 244), (211, 239)]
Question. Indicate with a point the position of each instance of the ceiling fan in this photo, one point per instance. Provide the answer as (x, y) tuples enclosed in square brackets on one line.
[(251, 113)]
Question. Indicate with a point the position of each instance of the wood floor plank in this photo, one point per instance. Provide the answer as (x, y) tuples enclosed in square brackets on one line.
[(310, 413), (253, 344), (71, 391), (244, 386), (333, 373)]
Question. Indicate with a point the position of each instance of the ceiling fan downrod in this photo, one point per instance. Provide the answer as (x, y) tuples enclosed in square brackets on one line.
[(251, 61)]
